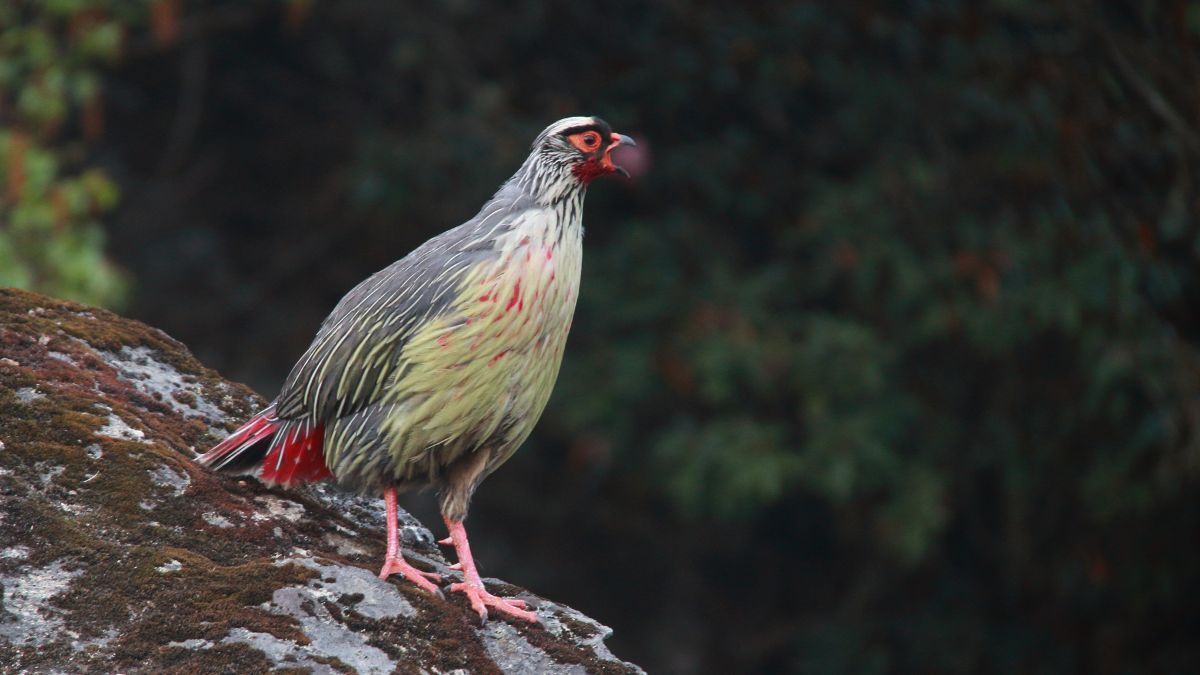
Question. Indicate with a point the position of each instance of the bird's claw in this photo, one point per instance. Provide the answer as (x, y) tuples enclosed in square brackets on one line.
[(446, 542), (423, 580), (480, 600)]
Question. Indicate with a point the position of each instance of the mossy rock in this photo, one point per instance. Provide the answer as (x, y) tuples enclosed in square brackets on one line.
[(119, 553)]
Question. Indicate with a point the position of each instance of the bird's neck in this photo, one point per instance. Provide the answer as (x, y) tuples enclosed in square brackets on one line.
[(548, 184)]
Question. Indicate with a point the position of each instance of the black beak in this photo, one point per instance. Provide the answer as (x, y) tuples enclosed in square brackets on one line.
[(617, 141)]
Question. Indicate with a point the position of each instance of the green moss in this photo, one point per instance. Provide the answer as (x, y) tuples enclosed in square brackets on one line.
[(224, 659), (85, 495), (335, 663)]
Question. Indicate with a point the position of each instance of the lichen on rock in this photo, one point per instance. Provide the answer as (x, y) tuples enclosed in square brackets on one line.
[(119, 553)]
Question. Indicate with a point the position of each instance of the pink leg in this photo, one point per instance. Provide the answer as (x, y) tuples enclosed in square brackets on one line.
[(472, 585), (395, 563)]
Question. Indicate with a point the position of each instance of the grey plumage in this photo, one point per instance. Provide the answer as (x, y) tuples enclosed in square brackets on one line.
[(435, 369)]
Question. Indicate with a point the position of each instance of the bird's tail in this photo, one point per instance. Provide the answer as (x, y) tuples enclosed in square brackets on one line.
[(283, 452)]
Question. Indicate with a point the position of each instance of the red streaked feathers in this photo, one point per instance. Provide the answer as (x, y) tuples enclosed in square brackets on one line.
[(516, 297)]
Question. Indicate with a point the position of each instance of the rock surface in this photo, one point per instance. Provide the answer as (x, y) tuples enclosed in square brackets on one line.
[(119, 554)]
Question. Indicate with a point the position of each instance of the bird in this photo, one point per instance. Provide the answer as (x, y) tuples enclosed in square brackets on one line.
[(433, 371)]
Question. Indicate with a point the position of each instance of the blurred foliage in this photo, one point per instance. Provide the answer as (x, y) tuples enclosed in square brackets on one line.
[(889, 363), (51, 237)]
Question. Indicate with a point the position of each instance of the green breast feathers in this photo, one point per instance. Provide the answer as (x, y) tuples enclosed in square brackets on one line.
[(480, 373)]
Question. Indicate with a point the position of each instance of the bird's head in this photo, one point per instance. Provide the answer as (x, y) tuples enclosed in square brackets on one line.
[(579, 147)]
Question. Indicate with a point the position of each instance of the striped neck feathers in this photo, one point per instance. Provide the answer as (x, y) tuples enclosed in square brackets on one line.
[(547, 179)]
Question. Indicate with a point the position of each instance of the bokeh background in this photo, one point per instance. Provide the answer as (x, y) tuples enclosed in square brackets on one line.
[(890, 361)]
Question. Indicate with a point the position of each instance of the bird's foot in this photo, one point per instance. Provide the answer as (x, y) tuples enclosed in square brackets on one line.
[(480, 600), (423, 580)]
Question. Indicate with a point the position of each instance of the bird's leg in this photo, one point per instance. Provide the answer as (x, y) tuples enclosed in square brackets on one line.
[(472, 585), (395, 562)]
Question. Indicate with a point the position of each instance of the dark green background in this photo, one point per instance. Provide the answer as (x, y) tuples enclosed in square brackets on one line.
[(889, 363)]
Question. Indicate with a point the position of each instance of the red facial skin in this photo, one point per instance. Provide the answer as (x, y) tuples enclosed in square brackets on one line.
[(597, 163)]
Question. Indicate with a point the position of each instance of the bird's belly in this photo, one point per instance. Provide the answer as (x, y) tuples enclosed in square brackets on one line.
[(483, 377)]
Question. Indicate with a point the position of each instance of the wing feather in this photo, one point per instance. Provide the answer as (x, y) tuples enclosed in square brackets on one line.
[(356, 349)]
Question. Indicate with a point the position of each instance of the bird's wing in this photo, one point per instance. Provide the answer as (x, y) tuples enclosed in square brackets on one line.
[(354, 353)]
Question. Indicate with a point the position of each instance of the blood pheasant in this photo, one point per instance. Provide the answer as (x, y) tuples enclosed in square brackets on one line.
[(434, 370)]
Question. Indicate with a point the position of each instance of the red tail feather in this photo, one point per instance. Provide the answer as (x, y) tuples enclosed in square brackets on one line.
[(297, 457), (256, 429), (295, 453)]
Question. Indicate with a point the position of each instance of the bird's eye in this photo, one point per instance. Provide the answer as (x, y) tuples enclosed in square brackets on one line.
[(587, 141)]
